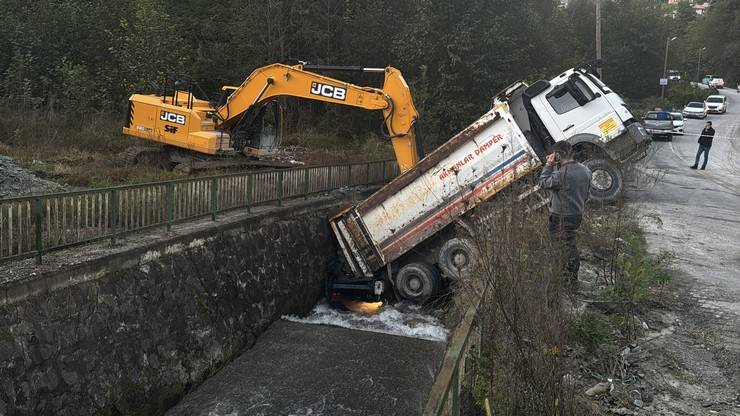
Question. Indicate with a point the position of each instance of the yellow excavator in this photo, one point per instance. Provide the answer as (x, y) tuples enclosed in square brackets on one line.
[(246, 126)]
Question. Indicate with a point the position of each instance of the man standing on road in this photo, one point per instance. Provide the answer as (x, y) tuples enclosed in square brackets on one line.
[(569, 184), (705, 143)]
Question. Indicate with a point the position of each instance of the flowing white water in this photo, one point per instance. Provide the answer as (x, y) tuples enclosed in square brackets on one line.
[(403, 320)]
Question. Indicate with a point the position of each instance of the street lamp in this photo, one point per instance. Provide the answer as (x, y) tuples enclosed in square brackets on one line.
[(698, 64), (665, 64)]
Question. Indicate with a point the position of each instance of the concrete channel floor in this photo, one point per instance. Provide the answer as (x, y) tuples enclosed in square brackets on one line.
[(303, 369)]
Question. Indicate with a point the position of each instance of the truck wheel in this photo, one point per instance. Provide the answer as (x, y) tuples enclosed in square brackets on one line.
[(457, 257), (606, 180), (417, 282)]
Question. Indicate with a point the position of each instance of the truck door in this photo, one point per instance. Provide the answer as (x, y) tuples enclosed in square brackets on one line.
[(576, 106)]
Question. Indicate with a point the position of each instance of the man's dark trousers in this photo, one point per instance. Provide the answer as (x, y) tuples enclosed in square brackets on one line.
[(705, 150), (563, 228)]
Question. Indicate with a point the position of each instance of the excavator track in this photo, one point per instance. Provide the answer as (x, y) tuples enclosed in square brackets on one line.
[(145, 155)]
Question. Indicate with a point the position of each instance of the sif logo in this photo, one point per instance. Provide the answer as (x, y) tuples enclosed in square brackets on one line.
[(324, 90), (172, 117)]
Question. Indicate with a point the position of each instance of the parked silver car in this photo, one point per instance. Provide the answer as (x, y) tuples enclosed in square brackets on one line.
[(659, 124)]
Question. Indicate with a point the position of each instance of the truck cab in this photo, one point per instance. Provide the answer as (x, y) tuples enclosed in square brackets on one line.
[(578, 107)]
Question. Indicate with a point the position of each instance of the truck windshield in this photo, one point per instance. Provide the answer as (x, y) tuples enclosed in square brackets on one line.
[(562, 100)]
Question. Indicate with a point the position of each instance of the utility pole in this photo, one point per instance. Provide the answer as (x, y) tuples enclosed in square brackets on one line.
[(698, 64), (665, 64), (598, 36)]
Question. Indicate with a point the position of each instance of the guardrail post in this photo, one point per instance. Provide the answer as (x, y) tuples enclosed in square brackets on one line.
[(305, 183), (214, 201), (349, 175), (250, 191), (170, 205), (456, 391), (280, 188), (113, 216), (39, 235)]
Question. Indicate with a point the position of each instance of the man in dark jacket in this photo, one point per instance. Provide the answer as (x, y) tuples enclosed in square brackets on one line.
[(705, 143), (569, 184)]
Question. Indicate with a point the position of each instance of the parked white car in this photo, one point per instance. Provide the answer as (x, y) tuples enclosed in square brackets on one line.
[(716, 104), (677, 123), (695, 109)]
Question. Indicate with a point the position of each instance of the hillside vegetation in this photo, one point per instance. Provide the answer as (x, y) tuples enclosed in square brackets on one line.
[(68, 67)]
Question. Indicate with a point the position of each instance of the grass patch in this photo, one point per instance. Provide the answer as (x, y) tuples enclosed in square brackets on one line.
[(81, 149)]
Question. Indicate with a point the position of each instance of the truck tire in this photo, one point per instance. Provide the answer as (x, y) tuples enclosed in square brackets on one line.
[(607, 184), (457, 257), (417, 282)]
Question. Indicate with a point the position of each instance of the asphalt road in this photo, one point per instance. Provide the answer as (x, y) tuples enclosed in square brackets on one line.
[(699, 223), (700, 210)]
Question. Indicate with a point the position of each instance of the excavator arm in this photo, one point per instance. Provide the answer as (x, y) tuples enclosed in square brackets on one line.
[(276, 80)]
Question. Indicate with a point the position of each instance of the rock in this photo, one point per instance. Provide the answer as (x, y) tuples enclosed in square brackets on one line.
[(70, 377), (599, 389), (16, 181), (638, 403)]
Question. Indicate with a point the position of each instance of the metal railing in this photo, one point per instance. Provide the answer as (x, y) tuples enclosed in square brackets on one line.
[(445, 397), (31, 226)]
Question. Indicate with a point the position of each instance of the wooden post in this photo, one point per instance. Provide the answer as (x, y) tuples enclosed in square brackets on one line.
[(113, 216), (39, 234), (280, 188), (214, 196), (170, 204)]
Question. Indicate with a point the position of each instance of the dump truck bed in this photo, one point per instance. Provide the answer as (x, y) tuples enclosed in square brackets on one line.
[(467, 170)]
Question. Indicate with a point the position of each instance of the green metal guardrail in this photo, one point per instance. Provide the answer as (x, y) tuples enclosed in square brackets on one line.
[(32, 226)]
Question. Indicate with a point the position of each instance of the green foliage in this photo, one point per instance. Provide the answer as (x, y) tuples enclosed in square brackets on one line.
[(456, 54), (679, 95), (676, 97), (634, 279), (591, 332)]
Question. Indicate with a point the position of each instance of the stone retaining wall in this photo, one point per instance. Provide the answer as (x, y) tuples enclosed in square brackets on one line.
[(143, 332)]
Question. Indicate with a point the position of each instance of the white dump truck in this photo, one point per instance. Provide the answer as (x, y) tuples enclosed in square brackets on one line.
[(509, 142)]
